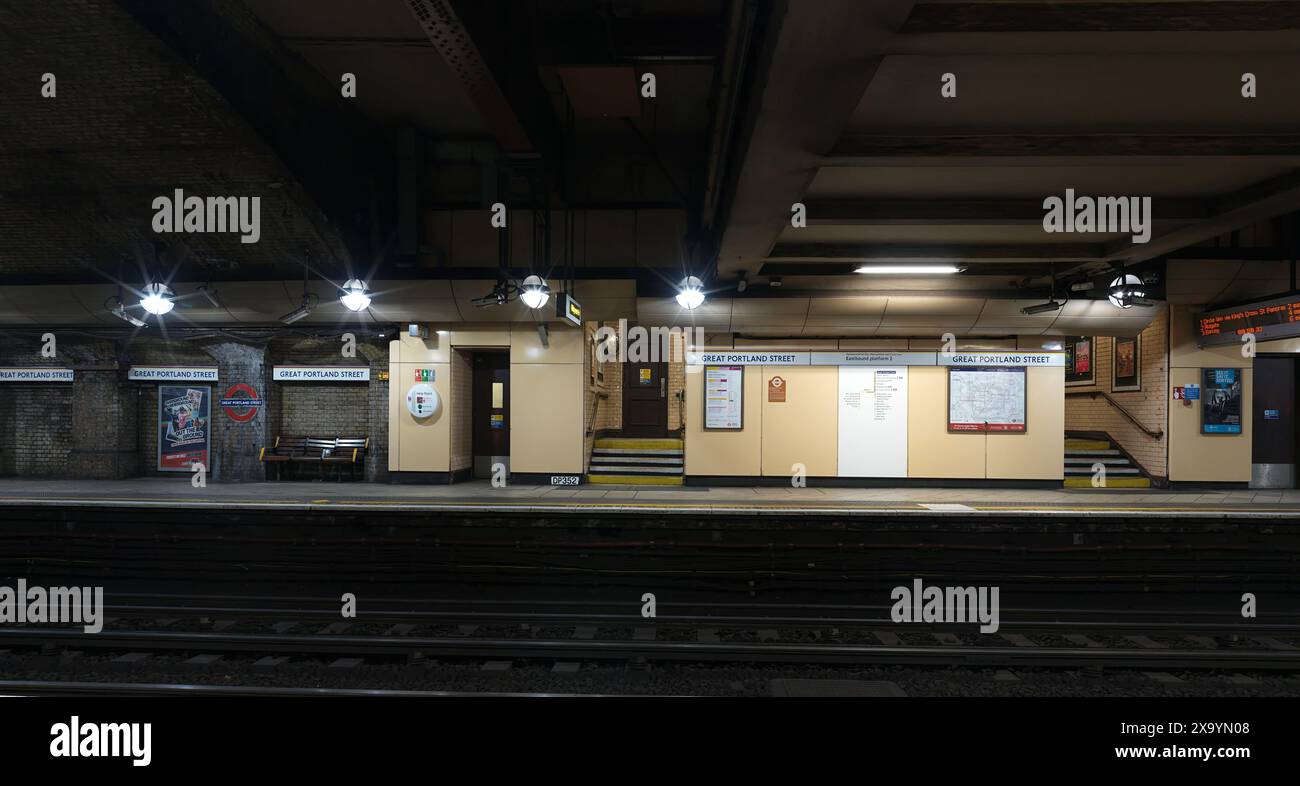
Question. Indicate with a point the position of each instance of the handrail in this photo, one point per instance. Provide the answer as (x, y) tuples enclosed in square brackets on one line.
[(1153, 433), (596, 396)]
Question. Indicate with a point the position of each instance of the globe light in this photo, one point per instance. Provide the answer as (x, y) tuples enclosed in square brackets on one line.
[(157, 299), (691, 294), (355, 296), (534, 292)]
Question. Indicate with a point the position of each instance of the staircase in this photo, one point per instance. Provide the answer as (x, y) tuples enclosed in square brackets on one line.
[(639, 462), (1082, 452)]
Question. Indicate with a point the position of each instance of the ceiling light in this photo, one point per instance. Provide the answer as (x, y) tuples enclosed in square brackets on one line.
[(1127, 291), (1042, 308), (119, 310), (534, 292), (1054, 346), (355, 296), (909, 270), (691, 294), (157, 299)]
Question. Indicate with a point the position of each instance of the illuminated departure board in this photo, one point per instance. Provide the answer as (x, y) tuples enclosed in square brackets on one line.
[(1267, 319)]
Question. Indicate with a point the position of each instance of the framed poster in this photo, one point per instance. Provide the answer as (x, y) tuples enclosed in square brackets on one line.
[(1220, 401), (724, 398), (1078, 360), (986, 399), (1126, 365), (184, 427)]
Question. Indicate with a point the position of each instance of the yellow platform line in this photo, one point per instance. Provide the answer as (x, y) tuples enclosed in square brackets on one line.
[(639, 444), (634, 480)]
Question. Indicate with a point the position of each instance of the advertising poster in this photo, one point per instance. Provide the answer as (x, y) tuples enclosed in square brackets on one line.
[(724, 388), (1221, 401), (184, 426), (1078, 360), (986, 398), (1126, 361)]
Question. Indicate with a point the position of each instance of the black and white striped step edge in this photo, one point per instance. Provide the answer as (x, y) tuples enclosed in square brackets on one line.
[(637, 459), (1109, 471), (643, 469), (632, 452), (1069, 458)]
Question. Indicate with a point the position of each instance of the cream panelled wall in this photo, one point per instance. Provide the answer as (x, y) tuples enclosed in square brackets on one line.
[(545, 398), (1193, 456), (804, 428)]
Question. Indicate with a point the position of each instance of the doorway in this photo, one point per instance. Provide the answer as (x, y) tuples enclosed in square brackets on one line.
[(490, 412), (1274, 434), (645, 399)]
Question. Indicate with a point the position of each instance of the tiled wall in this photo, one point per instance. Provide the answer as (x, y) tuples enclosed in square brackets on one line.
[(462, 402)]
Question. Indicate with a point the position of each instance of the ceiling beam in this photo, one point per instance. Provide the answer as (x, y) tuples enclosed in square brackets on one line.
[(1257, 202), (821, 58), (888, 252), (964, 212), (1113, 17), (866, 149)]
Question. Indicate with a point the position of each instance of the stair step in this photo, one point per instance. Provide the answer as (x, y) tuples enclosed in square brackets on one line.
[(630, 443), (1111, 483), (637, 458), (1087, 444), (635, 452), (1109, 471), (1093, 453), (1107, 460), (635, 480), (643, 469)]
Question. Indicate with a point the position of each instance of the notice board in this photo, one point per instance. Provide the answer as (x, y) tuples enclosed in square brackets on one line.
[(724, 398), (986, 399), (873, 422)]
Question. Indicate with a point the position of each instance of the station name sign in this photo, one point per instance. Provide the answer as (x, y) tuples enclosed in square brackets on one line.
[(172, 373), (35, 375), (877, 358), (1047, 359), (1266, 319), (321, 374)]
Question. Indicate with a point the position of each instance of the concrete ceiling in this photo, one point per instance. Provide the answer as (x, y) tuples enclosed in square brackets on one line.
[(1120, 99)]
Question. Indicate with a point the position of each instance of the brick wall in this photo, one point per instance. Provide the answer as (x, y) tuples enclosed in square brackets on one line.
[(1150, 405), (333, 409), (79, 429)]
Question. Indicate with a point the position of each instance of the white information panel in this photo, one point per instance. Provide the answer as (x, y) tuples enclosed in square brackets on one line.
[(986, 398), (873, 422), (724, 397)]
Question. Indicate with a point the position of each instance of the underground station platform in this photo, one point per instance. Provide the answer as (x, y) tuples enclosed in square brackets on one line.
[(481, 497), (487, 346)]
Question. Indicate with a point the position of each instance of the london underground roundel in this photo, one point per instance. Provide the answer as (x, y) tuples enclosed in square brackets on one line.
[(422, 401)]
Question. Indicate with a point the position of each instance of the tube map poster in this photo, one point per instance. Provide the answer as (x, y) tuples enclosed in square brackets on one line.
[(184, 427)]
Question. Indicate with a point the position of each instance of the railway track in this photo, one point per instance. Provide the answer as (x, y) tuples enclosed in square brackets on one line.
[(595, 631)]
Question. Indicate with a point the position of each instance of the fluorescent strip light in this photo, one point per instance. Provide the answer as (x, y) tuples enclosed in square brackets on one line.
[(910, 270)]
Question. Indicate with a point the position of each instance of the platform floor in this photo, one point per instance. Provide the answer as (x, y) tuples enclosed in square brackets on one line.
[(480, 496)]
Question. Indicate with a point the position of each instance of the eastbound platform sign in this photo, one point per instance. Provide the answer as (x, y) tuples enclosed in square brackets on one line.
[(172, 373), (321, 374), (873, 358), (36, 375)]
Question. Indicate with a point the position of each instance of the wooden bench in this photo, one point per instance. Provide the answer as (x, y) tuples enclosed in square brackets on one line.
[(341, 452)]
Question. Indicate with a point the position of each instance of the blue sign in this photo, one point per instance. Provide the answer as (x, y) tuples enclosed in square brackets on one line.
[(1192, 392), (1272, 414)]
